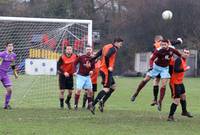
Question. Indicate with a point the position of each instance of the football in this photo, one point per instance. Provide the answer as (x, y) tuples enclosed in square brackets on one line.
[(167, 15)]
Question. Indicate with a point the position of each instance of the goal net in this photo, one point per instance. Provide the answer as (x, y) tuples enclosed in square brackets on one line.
[(38, 43)]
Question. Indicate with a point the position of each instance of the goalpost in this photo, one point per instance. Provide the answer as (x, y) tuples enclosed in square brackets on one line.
[(38, 43)]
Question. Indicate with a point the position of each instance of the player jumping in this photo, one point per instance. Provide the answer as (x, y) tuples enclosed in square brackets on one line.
[(108, 56), (159, 66), (157, 42)]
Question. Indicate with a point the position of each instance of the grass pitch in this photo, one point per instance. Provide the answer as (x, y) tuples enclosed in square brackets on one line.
[(36, 111)]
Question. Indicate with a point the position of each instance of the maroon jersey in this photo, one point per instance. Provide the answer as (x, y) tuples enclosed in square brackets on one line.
[(82, 62), (162, 56)]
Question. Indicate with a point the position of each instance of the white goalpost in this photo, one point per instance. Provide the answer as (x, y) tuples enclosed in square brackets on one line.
[(38, 43)]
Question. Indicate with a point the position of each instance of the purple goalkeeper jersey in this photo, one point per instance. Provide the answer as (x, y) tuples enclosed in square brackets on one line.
[(6, 59)]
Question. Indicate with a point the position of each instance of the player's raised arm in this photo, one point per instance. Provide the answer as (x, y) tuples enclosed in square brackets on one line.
[(175, 51), (98, 54), (178, 41)]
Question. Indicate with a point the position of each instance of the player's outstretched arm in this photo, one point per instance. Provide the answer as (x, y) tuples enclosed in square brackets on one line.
[(178, 41), (99, 53), (175, 51)]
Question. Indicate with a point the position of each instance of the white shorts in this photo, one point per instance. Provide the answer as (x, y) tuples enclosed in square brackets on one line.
[(83, 82), (163, 71)]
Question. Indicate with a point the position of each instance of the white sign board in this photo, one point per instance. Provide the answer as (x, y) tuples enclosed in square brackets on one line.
[(40, 67)]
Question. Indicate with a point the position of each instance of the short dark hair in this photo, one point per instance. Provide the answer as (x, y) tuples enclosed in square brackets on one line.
[(68, 46), (165, 40), (8, 42), (65, 47), (118, 39)]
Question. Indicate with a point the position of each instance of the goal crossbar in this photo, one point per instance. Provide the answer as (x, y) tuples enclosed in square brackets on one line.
[(52, 20)]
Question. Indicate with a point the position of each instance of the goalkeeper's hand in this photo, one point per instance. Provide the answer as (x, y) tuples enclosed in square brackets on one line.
[(15, 73), (180, 40), (16, 76)]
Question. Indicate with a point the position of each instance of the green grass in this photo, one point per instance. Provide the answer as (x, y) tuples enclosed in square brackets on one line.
[(35, 112)]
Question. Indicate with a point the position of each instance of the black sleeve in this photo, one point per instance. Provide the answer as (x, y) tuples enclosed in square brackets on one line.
[(93, 65), (59, 63), (109, 54), (177, 65), (99, 53), (13, 67), (175, 42), (175, 51)]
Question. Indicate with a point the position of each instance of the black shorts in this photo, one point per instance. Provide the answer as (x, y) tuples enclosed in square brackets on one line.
[(107, 79), (94, 87), (177, 90), (66, 82)]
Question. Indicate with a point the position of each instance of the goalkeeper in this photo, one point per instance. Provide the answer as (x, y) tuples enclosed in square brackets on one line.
[(7, 59)]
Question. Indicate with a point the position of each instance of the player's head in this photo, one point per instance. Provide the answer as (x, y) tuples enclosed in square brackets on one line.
[(165, 43), (158, 38), (88, 50), (118, 42), (69, 50), (9, 46), (185, 53)]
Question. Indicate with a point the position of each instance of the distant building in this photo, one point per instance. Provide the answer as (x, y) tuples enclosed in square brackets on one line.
[(24, 0)]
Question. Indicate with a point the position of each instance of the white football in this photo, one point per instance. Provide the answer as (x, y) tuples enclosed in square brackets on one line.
[(167, 15)]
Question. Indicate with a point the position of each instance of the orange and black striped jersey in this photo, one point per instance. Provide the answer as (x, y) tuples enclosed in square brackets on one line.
[(66, 63), (108, 56), (179, 70)]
